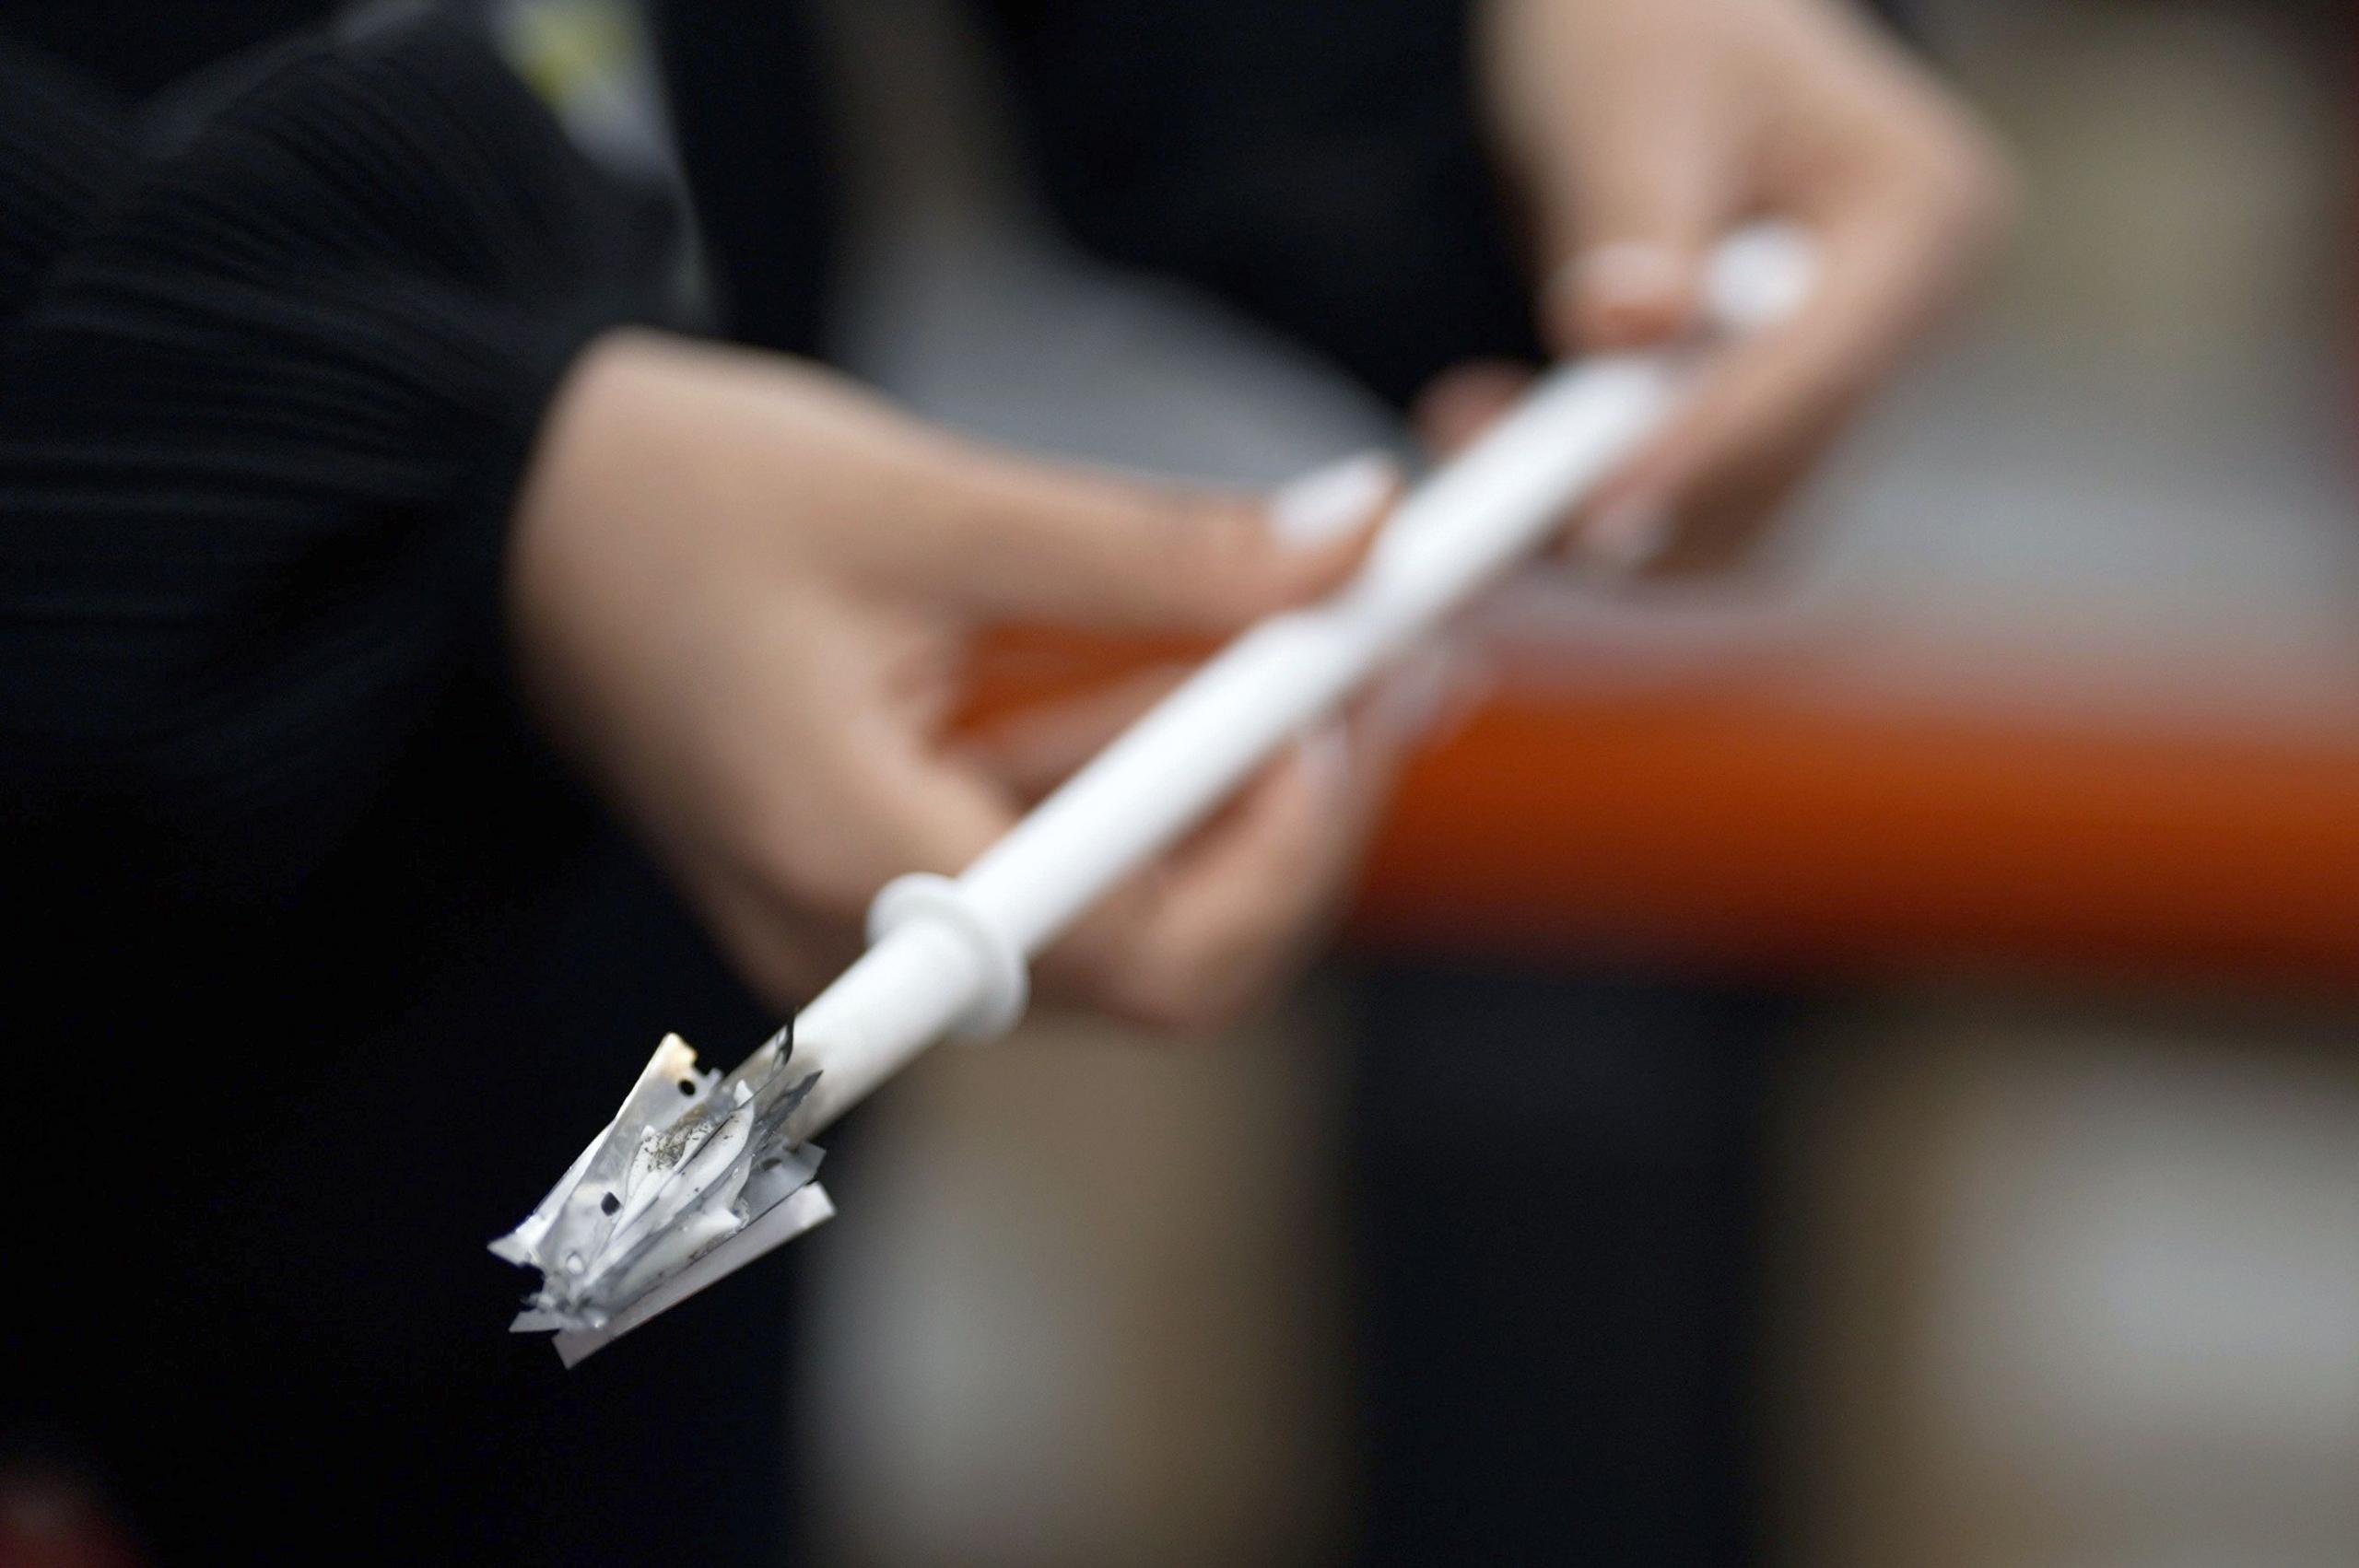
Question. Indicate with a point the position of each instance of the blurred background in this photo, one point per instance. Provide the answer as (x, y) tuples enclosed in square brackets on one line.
[(1854, 1063), (1977, 887)]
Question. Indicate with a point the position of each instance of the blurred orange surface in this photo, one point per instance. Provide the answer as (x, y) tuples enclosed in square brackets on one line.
[(1735, 825)]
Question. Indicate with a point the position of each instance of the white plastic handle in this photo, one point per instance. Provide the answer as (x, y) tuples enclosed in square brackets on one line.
[(948, 956)]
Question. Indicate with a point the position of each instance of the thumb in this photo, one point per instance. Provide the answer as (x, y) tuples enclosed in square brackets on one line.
[(1637, 201), (1032, 541)]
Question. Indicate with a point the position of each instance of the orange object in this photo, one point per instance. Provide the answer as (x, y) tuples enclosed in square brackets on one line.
[(1737, 825)]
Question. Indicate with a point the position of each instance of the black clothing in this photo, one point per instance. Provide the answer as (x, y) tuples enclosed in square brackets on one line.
[(264, 399), (319, 975)]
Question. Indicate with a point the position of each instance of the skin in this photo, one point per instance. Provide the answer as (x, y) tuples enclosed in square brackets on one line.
[(1636, 133), (739, 586)]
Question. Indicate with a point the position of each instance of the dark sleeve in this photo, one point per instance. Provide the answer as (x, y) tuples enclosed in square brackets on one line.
[(1319, 163), (265, 397), (1315, 162)]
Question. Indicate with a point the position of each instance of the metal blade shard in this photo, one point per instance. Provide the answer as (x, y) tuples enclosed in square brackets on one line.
[(695, 1178)]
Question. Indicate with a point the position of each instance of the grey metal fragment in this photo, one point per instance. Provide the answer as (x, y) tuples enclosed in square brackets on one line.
[(691, 1160)]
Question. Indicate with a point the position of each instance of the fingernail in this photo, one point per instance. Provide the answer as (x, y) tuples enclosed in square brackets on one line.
[(1625, 275), (1328, 503), (1762, 276), (1627, 535)]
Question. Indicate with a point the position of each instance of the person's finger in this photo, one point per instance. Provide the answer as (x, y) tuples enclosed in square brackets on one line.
[(1219, 923), (1011, 538), (782, 954), (1467, 399), (1633, 209), (1464, 401), (1032, 752), (1728, 513), (798, 868), (1187, 943), (1888, 262)]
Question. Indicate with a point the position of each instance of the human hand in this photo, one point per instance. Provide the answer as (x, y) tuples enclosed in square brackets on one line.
[(1637, 134), (739, 589)]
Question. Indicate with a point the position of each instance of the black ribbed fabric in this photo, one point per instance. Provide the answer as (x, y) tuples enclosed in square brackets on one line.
[(264, 399), (320, 976)]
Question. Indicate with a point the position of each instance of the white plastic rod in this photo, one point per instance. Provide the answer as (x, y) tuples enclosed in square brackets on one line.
[(949, 956)]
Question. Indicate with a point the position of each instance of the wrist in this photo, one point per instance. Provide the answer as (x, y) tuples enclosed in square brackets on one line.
[(569, 547)]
